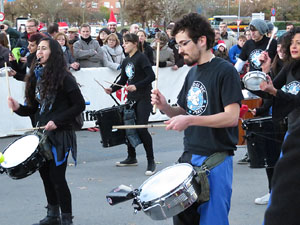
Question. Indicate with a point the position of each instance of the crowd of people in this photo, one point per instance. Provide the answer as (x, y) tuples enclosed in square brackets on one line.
[(207, 110)]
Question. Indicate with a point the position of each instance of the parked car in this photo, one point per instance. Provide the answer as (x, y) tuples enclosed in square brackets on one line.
[(280, 33)]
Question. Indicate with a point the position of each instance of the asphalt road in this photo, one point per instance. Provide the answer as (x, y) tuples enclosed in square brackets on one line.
[(22, 201)]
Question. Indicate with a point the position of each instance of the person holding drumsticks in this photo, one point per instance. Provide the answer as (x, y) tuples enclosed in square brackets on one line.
[(137, 71), (285, 91), (53, 95), (208, 112)]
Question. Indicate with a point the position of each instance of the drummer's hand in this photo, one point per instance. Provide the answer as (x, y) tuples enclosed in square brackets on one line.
[(13, 104), (131, 88), (11, 73), (267, 86), (74, 65), (50, 125), (253, 111), (158, 99), (178, 123), (108, 90), (265, 62)]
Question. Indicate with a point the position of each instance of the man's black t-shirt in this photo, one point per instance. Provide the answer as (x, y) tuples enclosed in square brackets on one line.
[(207, 90), (252, 50), (137, 70)]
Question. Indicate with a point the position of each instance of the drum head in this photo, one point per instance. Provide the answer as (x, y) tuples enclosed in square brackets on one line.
[(253, 79), (20, 150), (164, 181)]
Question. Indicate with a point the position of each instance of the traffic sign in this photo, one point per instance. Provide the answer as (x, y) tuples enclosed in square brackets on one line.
[(2, 16), (273, 11), (238, 22)]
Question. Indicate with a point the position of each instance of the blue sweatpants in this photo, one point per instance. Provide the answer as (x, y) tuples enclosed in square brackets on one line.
[(216, 210)]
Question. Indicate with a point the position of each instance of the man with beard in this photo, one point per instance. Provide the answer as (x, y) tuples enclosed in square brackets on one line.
[(112, 26), (208, 112)]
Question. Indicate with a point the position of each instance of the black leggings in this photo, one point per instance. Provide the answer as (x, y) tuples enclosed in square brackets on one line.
[(56, 187), (142, 110)]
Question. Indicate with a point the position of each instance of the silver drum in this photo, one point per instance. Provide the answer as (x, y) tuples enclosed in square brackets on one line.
[(169, 192), (253, 79)]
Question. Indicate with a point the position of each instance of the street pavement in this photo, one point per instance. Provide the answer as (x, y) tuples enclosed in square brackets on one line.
[(22, 201)]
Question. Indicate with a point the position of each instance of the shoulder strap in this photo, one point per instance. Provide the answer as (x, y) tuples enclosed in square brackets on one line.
[(214, 160)]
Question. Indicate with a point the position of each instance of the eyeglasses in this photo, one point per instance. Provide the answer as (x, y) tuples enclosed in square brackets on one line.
[(178, 46)]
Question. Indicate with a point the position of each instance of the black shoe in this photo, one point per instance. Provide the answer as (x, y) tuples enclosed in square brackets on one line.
[(150, 168), (244, 160), (130, 161), (53, 216), (66, 219)]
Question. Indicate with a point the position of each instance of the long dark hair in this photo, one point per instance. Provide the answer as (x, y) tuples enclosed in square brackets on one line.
[(292, 63), (55, 70)]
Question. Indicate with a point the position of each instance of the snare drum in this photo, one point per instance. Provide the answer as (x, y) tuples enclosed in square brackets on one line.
[(253, 79), (264, 139), (169, 192), (106, 118), (23, 157)]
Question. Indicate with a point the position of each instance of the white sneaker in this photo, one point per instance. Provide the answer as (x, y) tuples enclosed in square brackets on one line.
[(262, 200)]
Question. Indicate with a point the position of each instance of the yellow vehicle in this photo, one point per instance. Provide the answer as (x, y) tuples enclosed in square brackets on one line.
[(232, 21)]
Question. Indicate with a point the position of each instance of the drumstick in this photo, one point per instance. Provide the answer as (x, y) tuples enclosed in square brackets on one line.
[(32, 129), (156, 71), (7, 80), (99, 83), (114, 84), (139, 126), (274, 31)]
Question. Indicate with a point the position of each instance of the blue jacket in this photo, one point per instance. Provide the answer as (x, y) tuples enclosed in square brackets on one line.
[(234, 53)]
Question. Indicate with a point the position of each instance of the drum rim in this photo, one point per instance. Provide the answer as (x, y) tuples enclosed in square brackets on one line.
[(189, 177), (36, 149)]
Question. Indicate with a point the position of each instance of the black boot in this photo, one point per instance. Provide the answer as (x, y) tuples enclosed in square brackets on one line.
[(151, 167), (53, 216), (66, 219)]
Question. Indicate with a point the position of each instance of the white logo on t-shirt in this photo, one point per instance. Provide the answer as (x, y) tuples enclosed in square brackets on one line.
[(197, 99), (254, 58)]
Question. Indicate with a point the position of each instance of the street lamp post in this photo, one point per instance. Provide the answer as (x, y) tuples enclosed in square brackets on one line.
[(239, 18), (2, 6)]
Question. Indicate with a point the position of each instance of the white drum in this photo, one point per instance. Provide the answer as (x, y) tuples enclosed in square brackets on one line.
[(169, 192), (23, 157), (253, 79)]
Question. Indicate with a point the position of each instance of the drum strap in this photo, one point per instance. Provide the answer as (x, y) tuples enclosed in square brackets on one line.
[(204, 170)]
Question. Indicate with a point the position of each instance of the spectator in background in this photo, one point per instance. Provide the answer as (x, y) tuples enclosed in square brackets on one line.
[(32, 26), (270, 29), (144, 46), (64, 43), (217, 39), (235, 50), (222, 51), (4, 50), (86, 50), (134, 28), (289, 26), (113, 55), (124, 31), (103, 33), (166, 55), (112, 26), (13, 34), (179, 62), (52, 29), (73, 37), (229, 40), (20, 69), (247, 33)]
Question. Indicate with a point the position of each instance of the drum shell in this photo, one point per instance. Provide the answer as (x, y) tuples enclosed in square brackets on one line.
[(173, 202), (252, 101), (27, 167), (264, 139), (106, 118)]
